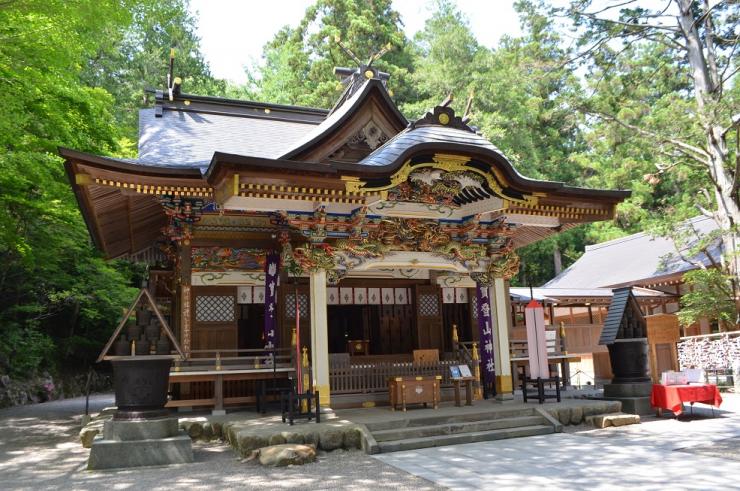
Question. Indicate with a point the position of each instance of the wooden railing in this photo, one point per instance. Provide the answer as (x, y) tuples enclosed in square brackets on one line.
[(349, 377), (236, 359)]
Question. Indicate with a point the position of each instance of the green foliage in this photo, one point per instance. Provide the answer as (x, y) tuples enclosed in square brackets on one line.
[(59, 300), (710, 297), (299, 62)]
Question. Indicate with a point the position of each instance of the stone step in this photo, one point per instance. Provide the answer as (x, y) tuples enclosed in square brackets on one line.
[(459, 438), (456, 427), (432, 419)]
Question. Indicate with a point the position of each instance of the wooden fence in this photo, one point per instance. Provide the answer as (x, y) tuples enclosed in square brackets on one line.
[(348, 377)]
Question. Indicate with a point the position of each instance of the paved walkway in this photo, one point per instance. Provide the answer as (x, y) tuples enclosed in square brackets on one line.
[(40, 450), (697, 452)]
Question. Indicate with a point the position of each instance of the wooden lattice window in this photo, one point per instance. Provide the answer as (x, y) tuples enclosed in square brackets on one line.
[(214, 308), (290, 305), (428, 305), (474, 305)]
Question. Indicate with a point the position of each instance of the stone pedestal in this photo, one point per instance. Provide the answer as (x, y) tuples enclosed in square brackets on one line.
[(635, 397), (140, 443)]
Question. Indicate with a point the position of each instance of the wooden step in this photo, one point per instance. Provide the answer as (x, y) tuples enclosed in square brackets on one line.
[(456, 427), (460, 438)]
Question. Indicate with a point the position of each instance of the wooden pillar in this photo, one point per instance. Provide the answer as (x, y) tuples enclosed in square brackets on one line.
[(185, 299), (498, 293), (319, 335)]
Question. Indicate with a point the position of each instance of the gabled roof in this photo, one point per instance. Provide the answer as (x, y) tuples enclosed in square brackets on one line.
[(622, 301), (641, 259), (341, 114), (563, 295), (189, 129)]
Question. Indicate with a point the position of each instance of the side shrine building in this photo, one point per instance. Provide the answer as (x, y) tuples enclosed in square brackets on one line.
[(372, 241)]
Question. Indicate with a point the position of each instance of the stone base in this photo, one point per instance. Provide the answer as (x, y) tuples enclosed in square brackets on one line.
[(634, 389), (140, 430), (636, 405), (109, 454), (635, 396)]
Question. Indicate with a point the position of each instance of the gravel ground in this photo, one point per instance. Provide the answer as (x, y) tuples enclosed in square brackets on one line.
[(40, 449)]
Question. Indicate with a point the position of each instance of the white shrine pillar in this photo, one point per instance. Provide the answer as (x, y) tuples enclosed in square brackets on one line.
[(498, 293), (319, 335)]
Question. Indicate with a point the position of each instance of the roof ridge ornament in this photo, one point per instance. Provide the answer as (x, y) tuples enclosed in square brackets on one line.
[(443, 115), (353, 78)]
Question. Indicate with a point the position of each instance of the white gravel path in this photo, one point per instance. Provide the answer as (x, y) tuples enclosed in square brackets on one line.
[(39, 449)]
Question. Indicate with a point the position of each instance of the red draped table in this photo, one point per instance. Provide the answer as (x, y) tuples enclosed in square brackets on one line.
[(672, 397)]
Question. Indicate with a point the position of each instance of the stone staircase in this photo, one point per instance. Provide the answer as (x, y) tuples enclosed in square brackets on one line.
[(437, 431)]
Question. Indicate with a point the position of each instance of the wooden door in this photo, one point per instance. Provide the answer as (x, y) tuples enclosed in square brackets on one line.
[(429, 317), (214, 319)]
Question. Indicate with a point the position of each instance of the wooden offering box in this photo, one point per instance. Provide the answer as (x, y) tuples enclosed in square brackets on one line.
[(414, 390)]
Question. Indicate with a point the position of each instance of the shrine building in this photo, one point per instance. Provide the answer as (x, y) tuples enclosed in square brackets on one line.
[(352, 232)]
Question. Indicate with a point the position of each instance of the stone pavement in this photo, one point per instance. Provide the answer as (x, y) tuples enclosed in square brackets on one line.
[(40, 450), (698, 452)]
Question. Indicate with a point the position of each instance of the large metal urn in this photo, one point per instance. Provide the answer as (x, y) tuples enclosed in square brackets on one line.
[(141, 383), (629, 360), (141, 357)]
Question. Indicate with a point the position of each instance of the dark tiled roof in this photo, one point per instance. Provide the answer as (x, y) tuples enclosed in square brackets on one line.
[(619, 304), (408, 138), (639, 257), (189, 139)]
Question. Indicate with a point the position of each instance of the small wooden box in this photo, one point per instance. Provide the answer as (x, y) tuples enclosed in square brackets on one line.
[(414, 390), (358, 346), (426, 355)]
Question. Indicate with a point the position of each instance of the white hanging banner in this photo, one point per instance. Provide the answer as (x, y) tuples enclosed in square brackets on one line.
[(389, 297), (461, 295), (258, 294), (373, 296), (534, 316), (243, 294), (360, 296), (448, 295), (346, 297), (402, 296), (332, 295)]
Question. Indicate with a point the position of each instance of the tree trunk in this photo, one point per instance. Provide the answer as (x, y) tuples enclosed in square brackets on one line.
[(727, 214), (557, 259)]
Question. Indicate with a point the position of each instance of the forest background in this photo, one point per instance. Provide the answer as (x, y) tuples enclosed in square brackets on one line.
[(572, 99)]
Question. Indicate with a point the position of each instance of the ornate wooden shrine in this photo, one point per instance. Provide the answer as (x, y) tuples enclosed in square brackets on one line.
[(384, 228)]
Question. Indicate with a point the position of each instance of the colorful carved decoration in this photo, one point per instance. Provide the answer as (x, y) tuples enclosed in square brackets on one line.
[(410, 234), (182, 214), (504, 266), (227, 258), (436, 186), (308, 257)]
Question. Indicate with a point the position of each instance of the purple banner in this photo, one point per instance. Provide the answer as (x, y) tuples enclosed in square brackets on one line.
[(485, 332), (272, 271)]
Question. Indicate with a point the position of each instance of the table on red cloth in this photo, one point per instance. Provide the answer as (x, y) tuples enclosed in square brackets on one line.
[(672, 397)]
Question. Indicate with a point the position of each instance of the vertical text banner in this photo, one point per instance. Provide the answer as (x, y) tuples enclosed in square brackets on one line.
[(534, 317), (272, 268), (485, 330)]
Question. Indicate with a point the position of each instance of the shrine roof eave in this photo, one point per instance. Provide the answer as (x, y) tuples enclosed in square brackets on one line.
[(222, 163), (368, 168), (129, 166), (132, 235)]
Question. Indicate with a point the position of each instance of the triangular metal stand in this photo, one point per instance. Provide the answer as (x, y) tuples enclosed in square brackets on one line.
[(143, 293)]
